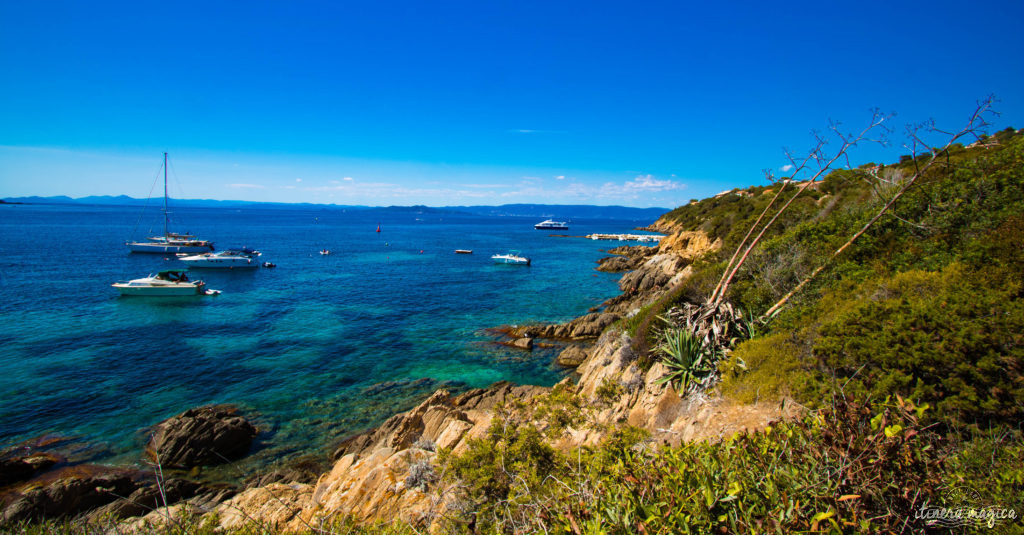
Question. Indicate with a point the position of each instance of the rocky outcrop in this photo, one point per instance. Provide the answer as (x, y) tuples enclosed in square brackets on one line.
[(656, 273), (571, 356), (201, 437), (441, 420), (626, 258), (525, 342), (689, 245), (68, 492), (582, 328)]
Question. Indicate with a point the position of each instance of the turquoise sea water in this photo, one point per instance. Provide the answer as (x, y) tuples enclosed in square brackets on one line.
[(315, 349)]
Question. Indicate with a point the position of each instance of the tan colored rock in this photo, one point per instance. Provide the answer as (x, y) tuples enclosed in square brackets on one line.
[(571, 356), (523, 343), (277, 506)]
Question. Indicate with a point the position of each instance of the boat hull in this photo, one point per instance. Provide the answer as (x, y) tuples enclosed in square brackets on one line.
[(220, 264), (159, 248), (160, 291), (551, 227)]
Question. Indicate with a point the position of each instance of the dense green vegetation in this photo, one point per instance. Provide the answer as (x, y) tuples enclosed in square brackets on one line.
[(908, 349)]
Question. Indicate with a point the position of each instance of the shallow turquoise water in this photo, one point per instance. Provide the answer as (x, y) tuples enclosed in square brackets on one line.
[(316, 349)]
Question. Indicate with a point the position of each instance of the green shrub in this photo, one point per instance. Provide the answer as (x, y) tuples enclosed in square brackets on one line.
[(939, 338)]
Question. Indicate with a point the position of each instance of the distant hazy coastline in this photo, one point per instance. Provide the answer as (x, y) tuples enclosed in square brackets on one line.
[(563, 211)]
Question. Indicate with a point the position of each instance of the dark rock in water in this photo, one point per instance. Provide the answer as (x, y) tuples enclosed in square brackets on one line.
[(571, 356), (615, 264), (21, 468), (69, 492), (204, 436)]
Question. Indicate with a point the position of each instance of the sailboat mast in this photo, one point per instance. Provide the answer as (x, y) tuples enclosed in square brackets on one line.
[(165, 195)]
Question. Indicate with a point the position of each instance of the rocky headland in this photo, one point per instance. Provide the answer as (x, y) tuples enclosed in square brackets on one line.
[(390, 472)]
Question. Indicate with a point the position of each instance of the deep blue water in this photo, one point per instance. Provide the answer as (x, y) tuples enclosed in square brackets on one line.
[(316, 349)]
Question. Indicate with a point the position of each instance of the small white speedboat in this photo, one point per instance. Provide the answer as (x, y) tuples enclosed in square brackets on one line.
[(166, 283), (513, 257), (229, 259)]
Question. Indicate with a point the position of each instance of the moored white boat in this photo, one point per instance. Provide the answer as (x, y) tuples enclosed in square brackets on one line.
[(228, 259), (513, 257), (551, 225), (166, 283)]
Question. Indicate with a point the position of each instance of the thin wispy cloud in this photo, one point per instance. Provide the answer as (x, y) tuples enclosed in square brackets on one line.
[(247, 186), (571, 189)]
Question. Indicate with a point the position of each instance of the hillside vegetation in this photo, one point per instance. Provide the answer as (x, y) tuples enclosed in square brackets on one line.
[(907, 351)]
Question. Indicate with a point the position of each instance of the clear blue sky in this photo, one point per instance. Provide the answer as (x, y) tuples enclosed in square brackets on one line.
[(633, 103)]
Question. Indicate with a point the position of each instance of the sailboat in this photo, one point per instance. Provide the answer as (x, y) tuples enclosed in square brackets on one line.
[(170, 242)]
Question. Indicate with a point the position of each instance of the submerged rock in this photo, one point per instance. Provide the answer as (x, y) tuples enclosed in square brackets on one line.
[(201, 437)]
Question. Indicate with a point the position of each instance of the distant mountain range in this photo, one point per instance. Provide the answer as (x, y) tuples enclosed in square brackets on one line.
[(552, 211)]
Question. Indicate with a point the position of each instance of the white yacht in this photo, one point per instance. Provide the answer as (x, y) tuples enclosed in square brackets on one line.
[(170, 242), (552, 225), (228, 259), (513, 257), (166, 283)]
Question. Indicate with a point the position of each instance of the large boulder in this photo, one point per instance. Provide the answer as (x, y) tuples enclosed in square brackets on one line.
[(201, 437), (571, 356), (523, 343), (68, 492)]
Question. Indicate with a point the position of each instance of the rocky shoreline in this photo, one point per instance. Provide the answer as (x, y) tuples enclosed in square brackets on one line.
[(387, 472)]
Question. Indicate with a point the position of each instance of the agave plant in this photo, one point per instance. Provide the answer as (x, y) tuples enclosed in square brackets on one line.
[(686, 358)]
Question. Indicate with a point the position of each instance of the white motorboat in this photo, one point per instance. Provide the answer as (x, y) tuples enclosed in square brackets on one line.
[(229, 259), (166, 283), (170, 242), (513, 257), (552, 225)]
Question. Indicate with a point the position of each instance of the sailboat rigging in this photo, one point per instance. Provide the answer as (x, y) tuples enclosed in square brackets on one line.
[(170, 242)]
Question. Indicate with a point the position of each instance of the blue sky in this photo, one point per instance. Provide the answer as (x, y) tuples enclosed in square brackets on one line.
[(440, 103)]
